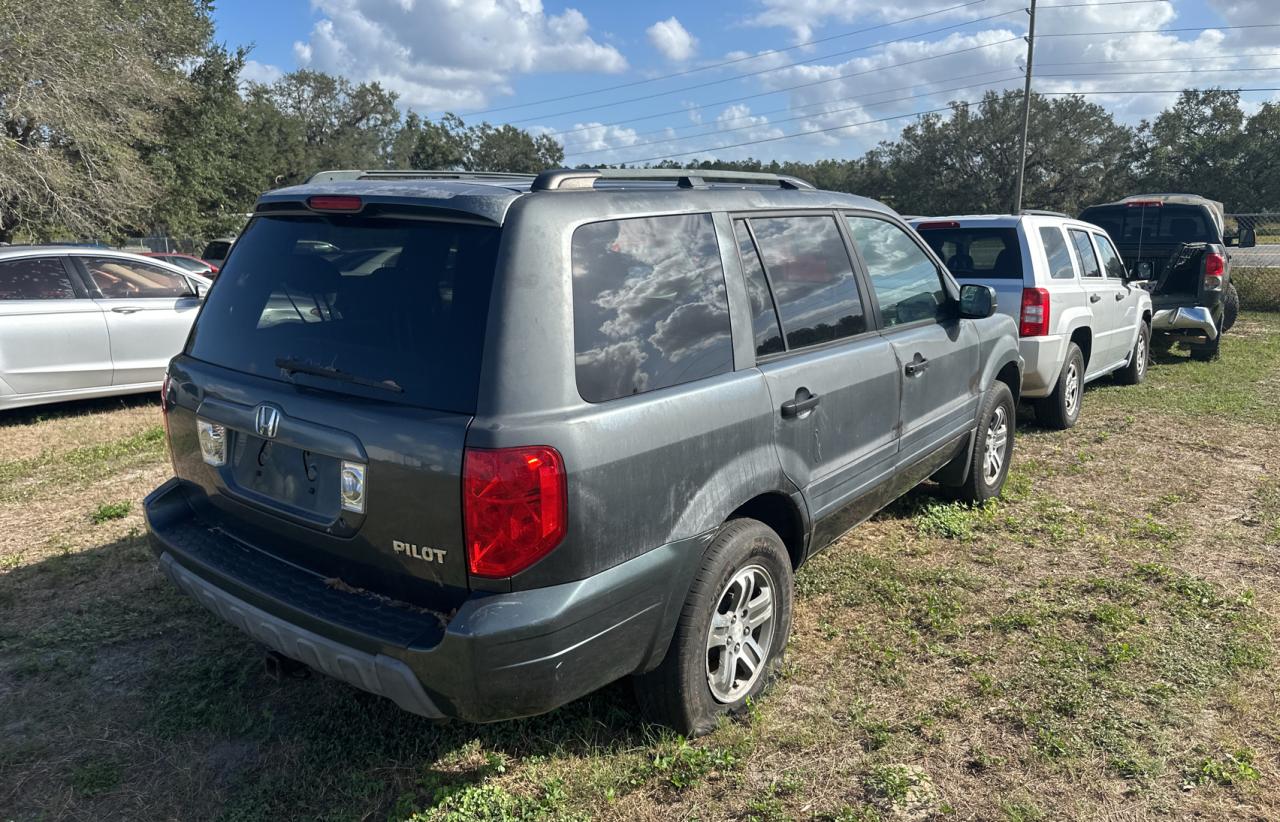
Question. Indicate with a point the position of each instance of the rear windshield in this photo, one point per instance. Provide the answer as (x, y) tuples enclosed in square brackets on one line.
[(392, 309), (1165, 224), (977, 252), (217, 250)]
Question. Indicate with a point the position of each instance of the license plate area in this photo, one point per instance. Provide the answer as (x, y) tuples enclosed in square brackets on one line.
[(303, 483)]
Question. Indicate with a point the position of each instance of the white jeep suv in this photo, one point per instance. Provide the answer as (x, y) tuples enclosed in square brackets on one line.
[(1080, 316)]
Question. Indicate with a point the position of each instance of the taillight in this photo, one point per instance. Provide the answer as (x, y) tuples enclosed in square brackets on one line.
[(1215, 268), (164, 413), (335, 203), (1035, 313), (514, 507)]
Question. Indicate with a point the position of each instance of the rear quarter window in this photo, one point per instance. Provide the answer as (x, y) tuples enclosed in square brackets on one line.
[(649, 305)]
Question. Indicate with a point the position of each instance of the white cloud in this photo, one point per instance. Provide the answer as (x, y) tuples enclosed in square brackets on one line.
[(804, 17), (255, 72), (442, 54), (672, 40)]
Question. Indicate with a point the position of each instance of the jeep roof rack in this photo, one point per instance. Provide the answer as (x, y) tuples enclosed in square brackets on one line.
[(563, 179), (414, 174)]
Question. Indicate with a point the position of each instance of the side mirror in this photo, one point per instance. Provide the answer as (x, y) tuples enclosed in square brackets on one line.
[(977, 301), (1248, 238)]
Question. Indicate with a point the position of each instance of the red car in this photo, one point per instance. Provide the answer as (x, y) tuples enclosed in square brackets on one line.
[(190, 263)]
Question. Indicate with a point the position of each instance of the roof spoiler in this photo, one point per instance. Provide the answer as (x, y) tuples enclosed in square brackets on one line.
[(413, 174), (562, 179)]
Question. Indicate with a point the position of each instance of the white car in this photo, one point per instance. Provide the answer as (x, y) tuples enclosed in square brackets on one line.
[(1080, 315), (89, 322)]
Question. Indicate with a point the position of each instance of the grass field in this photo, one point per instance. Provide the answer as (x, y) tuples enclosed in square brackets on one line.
[(1101, 644)]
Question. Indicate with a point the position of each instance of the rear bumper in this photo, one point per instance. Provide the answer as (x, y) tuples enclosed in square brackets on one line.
[(500, 656), (1042, 363), (1196, 319)]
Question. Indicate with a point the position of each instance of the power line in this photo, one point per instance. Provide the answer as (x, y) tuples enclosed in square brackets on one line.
[(950, 107), (787, 88), (737, 60), (758, 72), (801, 117), (1163, 31), (816, 41), (1145, 73), (766, 112)]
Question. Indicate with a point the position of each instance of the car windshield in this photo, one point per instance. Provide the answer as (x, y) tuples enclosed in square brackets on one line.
[(977, 252), (298, 292), (1160, 224)]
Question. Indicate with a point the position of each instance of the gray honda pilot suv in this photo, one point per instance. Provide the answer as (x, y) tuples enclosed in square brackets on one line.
[(482, 444)]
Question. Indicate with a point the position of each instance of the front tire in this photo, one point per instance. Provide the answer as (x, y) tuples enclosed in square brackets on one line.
[(1061, 409), (732, 632), (1136, 371), (992, 447)]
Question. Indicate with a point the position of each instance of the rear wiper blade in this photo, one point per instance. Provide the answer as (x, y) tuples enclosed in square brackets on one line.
[(293, 366)]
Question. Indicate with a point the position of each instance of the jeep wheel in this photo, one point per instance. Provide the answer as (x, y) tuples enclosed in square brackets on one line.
[(1061, 409), (1230, 307), (732, 631), (1139, 358), (992, 447)]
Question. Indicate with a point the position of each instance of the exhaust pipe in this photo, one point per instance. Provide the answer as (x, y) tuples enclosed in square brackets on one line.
[(1198, 319), (280, 667)]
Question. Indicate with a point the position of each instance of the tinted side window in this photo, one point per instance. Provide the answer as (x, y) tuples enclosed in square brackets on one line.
[(764, 319), (906, 281), (1084, 250), (649, 305), (120, 278), (1110, 259), (812, 279), (1055, 248), (39, 278)]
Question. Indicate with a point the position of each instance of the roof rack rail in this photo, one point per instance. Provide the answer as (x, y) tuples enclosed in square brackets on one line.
[(561, 179), (413, 174), (1043, 212)]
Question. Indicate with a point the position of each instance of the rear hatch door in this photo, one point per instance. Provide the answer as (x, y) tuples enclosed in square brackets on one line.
[(341, 396)]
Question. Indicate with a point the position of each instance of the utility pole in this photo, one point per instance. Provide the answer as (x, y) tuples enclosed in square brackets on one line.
[(1026, 110)]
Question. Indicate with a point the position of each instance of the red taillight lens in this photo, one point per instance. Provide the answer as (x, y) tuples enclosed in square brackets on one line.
[(1145, 204), (335, 203), (1215, 266), (937, 225), (1035, 313), (513, 507)]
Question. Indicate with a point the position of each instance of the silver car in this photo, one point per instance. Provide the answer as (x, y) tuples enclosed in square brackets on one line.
[(89, 322)]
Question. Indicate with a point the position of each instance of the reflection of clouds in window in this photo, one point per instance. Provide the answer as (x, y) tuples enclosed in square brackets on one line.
[(648, 293), (905, 280)]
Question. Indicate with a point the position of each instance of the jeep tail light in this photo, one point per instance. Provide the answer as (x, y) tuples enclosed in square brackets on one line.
[(1035, 313), (514, 507), (1215, 268)]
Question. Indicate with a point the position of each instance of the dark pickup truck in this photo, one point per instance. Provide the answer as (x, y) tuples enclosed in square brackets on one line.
[(1177, 243)]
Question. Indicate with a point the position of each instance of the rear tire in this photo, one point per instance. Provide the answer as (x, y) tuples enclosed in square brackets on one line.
[(992, 447), (729, 642), (1136, 371), (1230, 307), (1061, 409), (1207, 352)]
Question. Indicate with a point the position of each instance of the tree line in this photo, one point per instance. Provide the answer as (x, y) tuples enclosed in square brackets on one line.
[(149, 124)]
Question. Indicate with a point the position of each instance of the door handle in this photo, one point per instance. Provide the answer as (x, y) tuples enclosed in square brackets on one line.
[(1119, 296), (126, 310), (802, 404), (1093, 298), (916, 367)]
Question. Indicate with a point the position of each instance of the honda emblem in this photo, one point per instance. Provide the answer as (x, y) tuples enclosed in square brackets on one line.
[(266, 421)]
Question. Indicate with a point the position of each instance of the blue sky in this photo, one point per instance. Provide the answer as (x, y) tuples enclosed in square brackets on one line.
[(503, 61)]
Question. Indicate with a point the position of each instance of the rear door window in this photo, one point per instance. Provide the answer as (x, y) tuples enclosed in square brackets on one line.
[(1084, 251), (764, 316), (1061, 267), (649, 305), (121, 279), (809, 269), (908, 284), (35, 278), (411, 330)]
